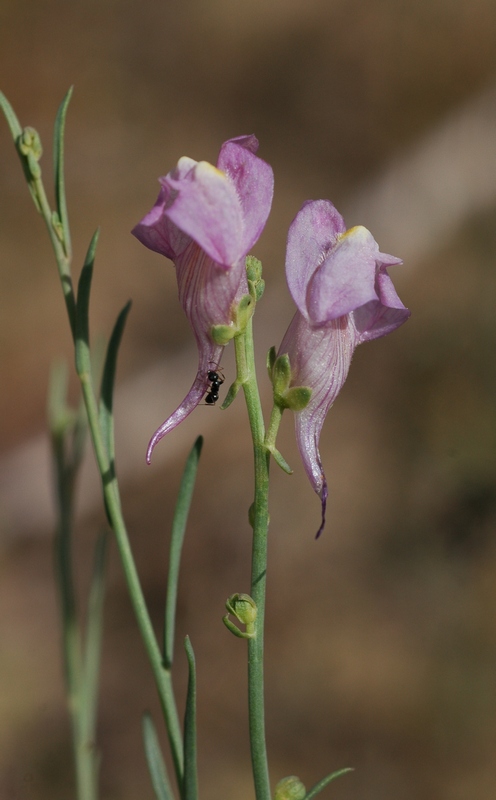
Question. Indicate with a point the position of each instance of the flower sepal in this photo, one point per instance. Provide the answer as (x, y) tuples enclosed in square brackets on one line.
[(295, 398), (222, 334)]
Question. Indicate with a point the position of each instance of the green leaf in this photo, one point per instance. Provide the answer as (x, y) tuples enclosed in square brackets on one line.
[(314, 791), (231, 394), (82, 332), (108, 380), (280, 460), (11, 117), (190, 786), (177, 538), (156, 764), (58, 163)]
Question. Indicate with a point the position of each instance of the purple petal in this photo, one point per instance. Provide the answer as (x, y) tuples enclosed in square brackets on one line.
[(206, 206), (312, 234), (253, 180), (319, 358), (383, 315), (209, 357), (345, 279), (207, 291), (158, 233)]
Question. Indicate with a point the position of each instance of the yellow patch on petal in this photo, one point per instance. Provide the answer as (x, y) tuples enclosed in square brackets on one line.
[(358, 230), (205, 166)]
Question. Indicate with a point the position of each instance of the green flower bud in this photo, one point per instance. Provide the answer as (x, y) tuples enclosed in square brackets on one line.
[(30, 143), (242, 607), (254, 275), (253, 269), (290, 788)]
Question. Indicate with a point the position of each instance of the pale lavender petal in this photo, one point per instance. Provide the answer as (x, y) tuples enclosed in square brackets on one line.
[(384, 315), (345, 279), (159, 233), (254, 183), (206, 291), (311, 236), (208, 209), (320, 358), (209, 358)]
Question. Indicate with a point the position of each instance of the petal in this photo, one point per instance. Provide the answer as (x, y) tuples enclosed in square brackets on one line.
[(206, 290), (208, 356), (205, 205), (345, 279), (312, 234), (383, 315), (319, 358), (254, 183), (158, 233)]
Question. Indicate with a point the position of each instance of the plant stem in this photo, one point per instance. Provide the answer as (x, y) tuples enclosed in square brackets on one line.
[(162, 675), (260, 521)]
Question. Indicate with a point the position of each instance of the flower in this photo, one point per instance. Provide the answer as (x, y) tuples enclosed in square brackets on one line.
[(205, 220), (344, 295)]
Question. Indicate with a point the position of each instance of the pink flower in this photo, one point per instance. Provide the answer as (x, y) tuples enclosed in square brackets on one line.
[(339, 282), (206, 219)]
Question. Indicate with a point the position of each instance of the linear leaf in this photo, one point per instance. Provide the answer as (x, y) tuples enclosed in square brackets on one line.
[(82, 332), (314, 791), (11, 117), (190, 786), (156, 764), (108, 380), (58, 163), (177, 538)]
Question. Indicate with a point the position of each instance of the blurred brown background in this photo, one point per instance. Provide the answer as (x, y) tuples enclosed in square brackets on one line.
[(381, 636)]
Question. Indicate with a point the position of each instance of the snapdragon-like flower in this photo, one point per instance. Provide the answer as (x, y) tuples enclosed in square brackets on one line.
[(339, 282), (206, 219)]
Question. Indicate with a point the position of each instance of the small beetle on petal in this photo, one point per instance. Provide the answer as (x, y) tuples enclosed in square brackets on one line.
[(344, 296)]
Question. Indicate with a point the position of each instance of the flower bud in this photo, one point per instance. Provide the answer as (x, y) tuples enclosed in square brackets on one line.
[(30, 142), (290, 788), (242, 607)]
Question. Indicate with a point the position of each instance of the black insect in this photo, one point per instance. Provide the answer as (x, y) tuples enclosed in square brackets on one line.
[(216, 380)]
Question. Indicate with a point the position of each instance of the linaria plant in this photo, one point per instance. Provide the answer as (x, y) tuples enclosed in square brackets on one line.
[(206, 220)]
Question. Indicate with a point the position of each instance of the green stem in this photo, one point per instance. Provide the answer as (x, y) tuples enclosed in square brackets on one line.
[(162, 674), (63, 262), (260, 521), (84, 755)]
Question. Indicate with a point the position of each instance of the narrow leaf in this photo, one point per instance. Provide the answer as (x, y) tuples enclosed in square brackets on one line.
[(280, 460), (156, 764), (108, 380), (314, 791), (177, 538), (82, 333), (58, 163), (190, 787), (11, 117)]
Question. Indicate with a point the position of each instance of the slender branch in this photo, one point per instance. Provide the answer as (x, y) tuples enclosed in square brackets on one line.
[(260, 521)]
